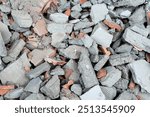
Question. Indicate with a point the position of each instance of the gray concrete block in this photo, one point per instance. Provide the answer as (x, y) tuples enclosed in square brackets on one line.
[(124, 48), (119, 59), (5, 32), (109, 92), (140, 73), (76, 8), (86, 4), (113, 75), (98, 12), (38, 70), (77, 89), (122, 84), (57, 71), (34, 96), (16, 69), (83, 24), (59, 18), (87, 41), (102, 62), (22, 18), (34, 85), (52, 88), (75, 14), (104, 40), (14, 94), (126, 96), (3, 51), (56, 28), (94, 49), (95, 93), (87, 72)]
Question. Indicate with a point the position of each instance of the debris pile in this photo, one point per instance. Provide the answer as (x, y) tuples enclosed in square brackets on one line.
[(74, 49)]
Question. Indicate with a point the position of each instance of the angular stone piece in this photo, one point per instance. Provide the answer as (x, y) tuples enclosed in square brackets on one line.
[(140, 72), (34, 85), (59, 18), (126, 95), (119, 59), (57, 71), (137, 40), (113, 75), (95, 93), (15, 72), (87, 41), (35, 96), (98, 12), (22, 18), (77, 89), (56, 28), (52, 88), (87, 72), (3, 51), (102, 37)]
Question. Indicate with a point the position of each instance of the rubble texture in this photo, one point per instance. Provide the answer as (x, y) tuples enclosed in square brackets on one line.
[(74, 50)]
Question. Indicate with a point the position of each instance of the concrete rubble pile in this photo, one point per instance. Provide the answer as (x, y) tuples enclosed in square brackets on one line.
[(74, 49)]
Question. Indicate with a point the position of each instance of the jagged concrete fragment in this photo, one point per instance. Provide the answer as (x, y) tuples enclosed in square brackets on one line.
[(87, 72), (133, 3), (57, 71), (83, 24), (52, 88), (119, 59), (5, 32), (5, 8), (76, 8), (87, 41), (77, 89), (3, 51), (109, 92), (102, 37), (125, 71), (98, 12), (15, 72), (113, 75), (137, 40), (59, 18), (14, 51), (35, 96), (38, 70), (1, 65), (140, 73), (86, 4), (34, 85), (57, 39), (75, 14), (56, 28), (73, 51), (124, 48), (22, 18), (38, 55), (72, 65), (126, 96), (102, 62), (125, 14), (122, 84), (15, 93), (95, 93), (94, 49)]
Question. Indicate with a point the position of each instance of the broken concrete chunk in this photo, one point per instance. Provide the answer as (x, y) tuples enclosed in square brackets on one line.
[(87, 72), (59, 18), (57, 39), (119, 59), (34, 85), (109, 92), (38, 70), (52, 88), (39, 55), (102, 37), (126, 96), (125, 14), (56, 28), (83, 24), (3, 51), (5, 32), (124, 48), (16, 69), (1, 65), (14, 51), (22, 18), (140, 73), (94, 49), (5, 8), (73, 51), (57, 71), (77, 89), (14, 94), (76, 8), (137, 40), (102, 62), (98, 12), (122, 84), (113, 75), (35, 96), (95, 93), (87, 41)]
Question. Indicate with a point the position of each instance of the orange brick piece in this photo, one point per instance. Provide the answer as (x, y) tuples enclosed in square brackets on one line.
[(101, 73), (67, 86), (82, 1), (131, 85), (112, 25), (68, 12), (105, 51), (5, 89)]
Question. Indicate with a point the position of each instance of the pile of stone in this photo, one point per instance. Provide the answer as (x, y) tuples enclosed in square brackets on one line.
[(74, 49)]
